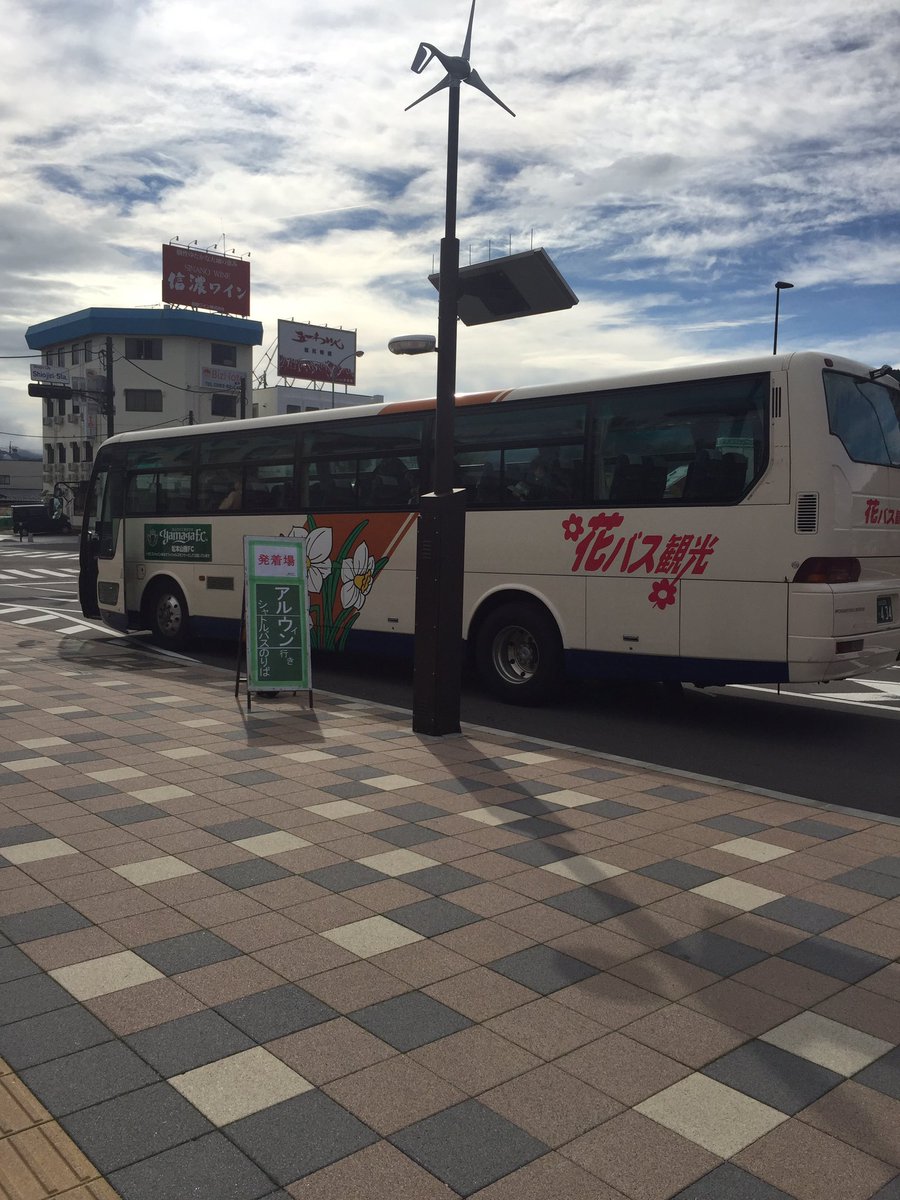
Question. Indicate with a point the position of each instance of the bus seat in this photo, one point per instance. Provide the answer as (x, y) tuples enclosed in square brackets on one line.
[(712, 476), (640, 483), (487, 490)]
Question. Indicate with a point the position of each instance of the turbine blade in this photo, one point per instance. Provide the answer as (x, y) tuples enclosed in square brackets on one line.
[(467, 45), (445, 82), (477, 82)]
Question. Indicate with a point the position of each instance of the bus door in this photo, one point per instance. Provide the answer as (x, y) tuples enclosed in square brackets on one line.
[(101, 554)]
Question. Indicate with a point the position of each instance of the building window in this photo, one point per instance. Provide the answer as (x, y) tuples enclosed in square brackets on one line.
[(61, 408), (5, 481), (143, 348), (88, 352), (88, 451), (61, 356), (76, 354), (223, 405), (143, 400), (60, 453), (49, 409), (47, 358), (223, 356), (76, 452), (292, 408), (49, 455)]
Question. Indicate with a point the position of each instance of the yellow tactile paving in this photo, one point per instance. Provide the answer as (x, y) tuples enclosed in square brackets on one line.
[(37, 1158)]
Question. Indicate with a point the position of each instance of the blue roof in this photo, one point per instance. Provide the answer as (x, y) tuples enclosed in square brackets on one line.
[(144, 322)]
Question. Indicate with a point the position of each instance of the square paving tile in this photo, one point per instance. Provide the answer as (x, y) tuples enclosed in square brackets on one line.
[(550, 1104), (410, 1020), (187, 952), (41, 923), (752, 848), (15, 965), (835, 958), (866, 1119), (341, 877), (584, 869), (874, 883), (433, 916), (99, 976), (29, 997), (883, 1074), (193, 1041), (277, 842), (277, 1012), (623, 1068), (244, 1083), (679, 874), (745, 896), (330, 1050), (536, 854), (827, 1042), (739, 826), (136, 1126), (132, 813), (300, 1135), (408, 834), (232, 831), (590, 904), (87, 1077), (475, 1059), (715, 953), (542, 969), (633, 1154), (154, 870), (16, 835), (729, 1182), (249, 873), (684, 1034), (397, 862), (393, 1094), (713, 1116), (29, 852), (809, 1164), (802, 914), (441, 880), (415, 811), (773, 1076), (468, 1146), (210, 1168), (51, 1035), (823, 830)]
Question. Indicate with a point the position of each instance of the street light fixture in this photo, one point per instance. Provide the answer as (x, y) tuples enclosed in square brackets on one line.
[(335, 367), (442, 518), (779, 288)]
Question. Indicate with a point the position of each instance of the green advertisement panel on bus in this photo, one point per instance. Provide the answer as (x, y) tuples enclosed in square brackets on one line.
[(167, 543), (277, 614)]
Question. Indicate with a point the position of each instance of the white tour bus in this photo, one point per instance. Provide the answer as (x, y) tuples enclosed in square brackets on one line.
[(732, 522)]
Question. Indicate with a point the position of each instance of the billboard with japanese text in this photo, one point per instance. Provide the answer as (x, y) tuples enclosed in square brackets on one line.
[(316, 352), (198, 279)]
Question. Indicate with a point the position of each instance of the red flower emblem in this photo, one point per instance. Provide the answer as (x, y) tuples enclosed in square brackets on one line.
[(662, 594), (574, 527)]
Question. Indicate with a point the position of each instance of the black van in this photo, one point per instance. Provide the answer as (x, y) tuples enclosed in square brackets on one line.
[(39, 518)]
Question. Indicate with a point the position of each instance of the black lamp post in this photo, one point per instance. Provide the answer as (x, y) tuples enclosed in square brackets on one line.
[(779, 288), (335, 367), (442, 517)]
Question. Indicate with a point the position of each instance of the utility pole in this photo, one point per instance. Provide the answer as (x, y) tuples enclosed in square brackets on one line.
[(243, 396), (110, 390)]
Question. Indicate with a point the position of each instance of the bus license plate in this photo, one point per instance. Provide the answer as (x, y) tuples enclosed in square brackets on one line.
[(884, 610)]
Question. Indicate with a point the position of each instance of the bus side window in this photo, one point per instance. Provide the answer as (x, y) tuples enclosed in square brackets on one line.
[(140, 494)]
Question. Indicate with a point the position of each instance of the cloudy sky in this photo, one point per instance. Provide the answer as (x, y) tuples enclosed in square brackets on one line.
[(674, 158)]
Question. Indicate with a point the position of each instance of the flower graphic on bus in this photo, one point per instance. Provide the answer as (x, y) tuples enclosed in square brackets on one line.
[(339, 583), (318, 561), (662, 594), (357, 577)]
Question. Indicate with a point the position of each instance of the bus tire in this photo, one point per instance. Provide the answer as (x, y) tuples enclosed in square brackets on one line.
[(518, 653), (167, 615)]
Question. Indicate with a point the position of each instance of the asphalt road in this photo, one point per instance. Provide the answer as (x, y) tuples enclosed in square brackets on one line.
[(837, 744)]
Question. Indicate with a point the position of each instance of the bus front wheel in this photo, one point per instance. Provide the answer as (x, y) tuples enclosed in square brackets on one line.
[(518, 653), (167, 615)]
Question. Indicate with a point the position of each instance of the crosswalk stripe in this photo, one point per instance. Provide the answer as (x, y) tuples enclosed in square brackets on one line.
[(35, 620)]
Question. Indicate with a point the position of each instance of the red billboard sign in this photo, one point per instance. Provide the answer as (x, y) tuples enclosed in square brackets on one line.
[(200, 280)]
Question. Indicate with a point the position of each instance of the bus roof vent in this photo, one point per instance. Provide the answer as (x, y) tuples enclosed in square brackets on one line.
[(806, 519)]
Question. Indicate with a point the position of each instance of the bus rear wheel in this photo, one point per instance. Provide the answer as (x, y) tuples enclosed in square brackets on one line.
[(167, 615), (518, 654)]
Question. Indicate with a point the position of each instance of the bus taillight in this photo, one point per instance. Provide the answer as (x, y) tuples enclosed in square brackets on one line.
[(828, 570)]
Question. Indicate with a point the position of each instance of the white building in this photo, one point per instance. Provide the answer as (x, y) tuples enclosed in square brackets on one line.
[(170, 366), (281, 399)]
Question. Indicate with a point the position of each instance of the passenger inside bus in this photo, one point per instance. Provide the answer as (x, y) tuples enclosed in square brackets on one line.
[(233, 499)]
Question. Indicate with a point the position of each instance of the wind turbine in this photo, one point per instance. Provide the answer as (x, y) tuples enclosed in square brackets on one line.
[(442, 518)]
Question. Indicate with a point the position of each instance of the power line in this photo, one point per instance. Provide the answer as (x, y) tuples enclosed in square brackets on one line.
[(39, 436)]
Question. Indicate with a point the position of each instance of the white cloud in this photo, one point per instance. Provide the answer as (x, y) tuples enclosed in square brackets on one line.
[(674, 159)]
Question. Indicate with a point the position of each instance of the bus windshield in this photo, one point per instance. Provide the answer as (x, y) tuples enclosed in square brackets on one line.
[(866, 418)]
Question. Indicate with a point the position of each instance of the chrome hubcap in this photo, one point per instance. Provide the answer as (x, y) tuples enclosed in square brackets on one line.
[(516, 655)]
